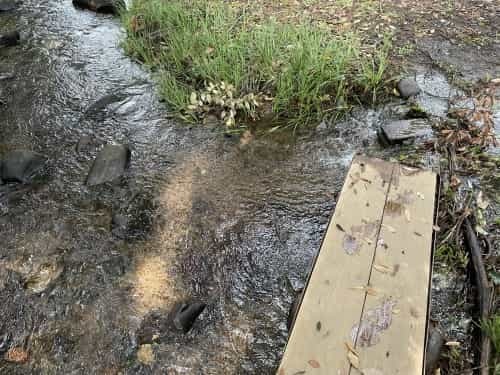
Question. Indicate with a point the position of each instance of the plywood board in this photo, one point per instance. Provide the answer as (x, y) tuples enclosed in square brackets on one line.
[(364, 310), (335, 293), (391, 334)]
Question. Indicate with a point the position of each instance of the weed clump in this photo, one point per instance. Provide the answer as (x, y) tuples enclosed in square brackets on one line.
[(302, 71)]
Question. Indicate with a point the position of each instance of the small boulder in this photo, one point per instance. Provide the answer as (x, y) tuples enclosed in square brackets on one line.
[(404, 130), (21, 165), (109, 165), (10, 39), (186, 315), (408, 87), (7, 5), (101, 6)]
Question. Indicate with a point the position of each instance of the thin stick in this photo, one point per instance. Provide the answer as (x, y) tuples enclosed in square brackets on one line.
[(485, 292)]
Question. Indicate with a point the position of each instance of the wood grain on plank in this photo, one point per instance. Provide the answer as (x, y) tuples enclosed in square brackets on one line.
[(336, 289), (391, 336)]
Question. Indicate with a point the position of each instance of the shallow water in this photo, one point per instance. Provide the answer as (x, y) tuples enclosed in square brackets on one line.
[(233, 222)]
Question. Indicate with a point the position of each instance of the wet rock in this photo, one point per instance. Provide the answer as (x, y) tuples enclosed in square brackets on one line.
[(101, 6), (187, 314), (435, 344), (109, 165), (84, 144), (119, 225), (105, 105), (41, 278), (21, 165), (6, 5), (408, 87), (9, 39), (404, 130)]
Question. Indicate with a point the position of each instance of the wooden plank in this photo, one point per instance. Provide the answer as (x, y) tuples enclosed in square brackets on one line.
[(335, 295), (391, 335)]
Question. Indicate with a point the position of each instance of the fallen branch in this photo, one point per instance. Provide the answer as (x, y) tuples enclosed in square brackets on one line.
[(485, 292)]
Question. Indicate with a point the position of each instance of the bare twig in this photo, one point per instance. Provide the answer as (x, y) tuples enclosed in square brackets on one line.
[(485, 292)]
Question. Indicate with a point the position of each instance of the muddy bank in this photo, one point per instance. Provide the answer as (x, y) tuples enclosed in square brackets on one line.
[(233, 222)]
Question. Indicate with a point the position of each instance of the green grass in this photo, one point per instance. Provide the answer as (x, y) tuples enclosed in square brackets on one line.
[(492, 329), (451, 256), (303, 72)]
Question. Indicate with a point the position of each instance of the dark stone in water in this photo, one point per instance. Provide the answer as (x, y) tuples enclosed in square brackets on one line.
[(400, 131), (6, 5), (84, 144), (109, 165), (10, 39), (119, 225), (21, 165), (101, 6), (187, 314), (408, 87)]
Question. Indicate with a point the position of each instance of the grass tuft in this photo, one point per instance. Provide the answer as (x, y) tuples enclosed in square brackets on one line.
[(492, 329), (302, 71)]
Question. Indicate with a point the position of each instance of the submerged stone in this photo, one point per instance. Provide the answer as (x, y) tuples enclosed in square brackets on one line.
[(6, 5), (187, 314), (41, 278), (119, 225), (101, 6), (10, 39), (109, 165), (84, 144), (403, 130), (408, 87), (21, 165)]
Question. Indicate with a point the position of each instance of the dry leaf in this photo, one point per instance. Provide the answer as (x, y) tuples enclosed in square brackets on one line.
[(367, 289), (454, 182), (391, 229), (407, 215), (351, 348), (382, 268), (481, 202), (436, 228), (353, 359), (16, 355), (396, 311), (313, 363), (452, 343)]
